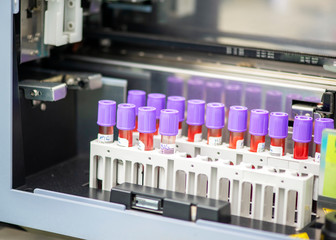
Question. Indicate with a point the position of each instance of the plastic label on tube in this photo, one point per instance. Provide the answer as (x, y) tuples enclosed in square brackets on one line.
[(240, 144), (179, 134), (276, 151), (141, 146), (167, 148), (103, 138), (123, 142), (317, 157), (261, 147), (198, 137), (215, 141)]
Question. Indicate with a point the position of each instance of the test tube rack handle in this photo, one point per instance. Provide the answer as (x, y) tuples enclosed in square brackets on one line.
[(250, 191)]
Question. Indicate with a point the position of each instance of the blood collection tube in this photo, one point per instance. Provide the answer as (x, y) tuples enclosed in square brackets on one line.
[(138, 98), (320, 124), (289, 100), (214, 121), (169, 119), (195, 88), (278, 131), (273, 101), (195, 119), (237, 125), (106, 120), (213, 91), (258, 129), (177, 103), (302, 134), (125, 124), (175, 86), (158, 101), (146, 127)]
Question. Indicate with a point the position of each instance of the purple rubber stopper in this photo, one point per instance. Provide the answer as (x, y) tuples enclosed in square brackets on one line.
[(138, 98), (233, 95), (215, 115), (169, 121), (195, 88), (213, 91), (158, 101), (289, 99), (278, 125), (147, 120), (258, 122), (302, 129), (126, 116), (177, 103), (195, 112), (237, 119), (320, 124), (253, 97), (174, 86), (273, 101), (106, 113), (312, 99)]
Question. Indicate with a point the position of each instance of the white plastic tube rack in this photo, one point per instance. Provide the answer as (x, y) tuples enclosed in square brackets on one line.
[(283, 197)]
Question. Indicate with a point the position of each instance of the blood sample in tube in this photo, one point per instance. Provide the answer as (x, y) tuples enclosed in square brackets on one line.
[(146, 128), (175, 86), (125, 124), (237, 125), (195, 119), (169, 119), (278, 131), (138, 98), (320, 125), (273, 101), (215, 119), (258, 129), (195, 88), (213, 91), (177, 103), (106, 120), (302, 134), (158, 101)]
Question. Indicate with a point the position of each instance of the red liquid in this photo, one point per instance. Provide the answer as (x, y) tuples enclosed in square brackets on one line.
[(301, 150), (234, 137), (217, 133), (136, 124), (279, 142), (157, 127), (106, 130), (318, 148), (192, 130), (255, 140), (147, 140), (127, 134)]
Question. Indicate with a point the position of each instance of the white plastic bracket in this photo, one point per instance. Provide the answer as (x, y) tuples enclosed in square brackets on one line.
[(63, 22)]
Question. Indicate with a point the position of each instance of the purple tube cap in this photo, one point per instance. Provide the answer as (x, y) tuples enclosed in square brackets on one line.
[(195, 112), (233, 93), (258, 122), (215, 115), (177, 103), (175, 86), (274, 101), (253, 97), (195, 88), (147, 120), (126, 116), (237, 119), (213, 91), (106, 113), (320, 124), (169, 121), (278, 125), (138, 98), (302, 129), (157, 100)]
